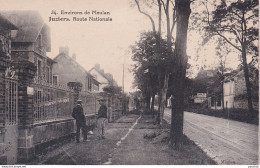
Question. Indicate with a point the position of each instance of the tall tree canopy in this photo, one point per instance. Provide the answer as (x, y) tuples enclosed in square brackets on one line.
[(237, 23)]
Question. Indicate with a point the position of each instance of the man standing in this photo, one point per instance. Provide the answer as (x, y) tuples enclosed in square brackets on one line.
[(102, 119), (78, 114)]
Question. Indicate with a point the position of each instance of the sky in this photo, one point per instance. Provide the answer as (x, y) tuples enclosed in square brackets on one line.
[(105, 43)]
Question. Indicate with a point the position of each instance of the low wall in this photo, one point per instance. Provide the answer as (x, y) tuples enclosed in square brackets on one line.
[(44, 132)]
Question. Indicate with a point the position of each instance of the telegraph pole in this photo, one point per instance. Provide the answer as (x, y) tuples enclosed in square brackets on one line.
[(123, 88), (123, 82)]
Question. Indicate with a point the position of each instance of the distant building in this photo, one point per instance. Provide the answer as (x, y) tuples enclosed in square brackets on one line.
[(67, 70), (200, 98), (105, 79), (234, 91)]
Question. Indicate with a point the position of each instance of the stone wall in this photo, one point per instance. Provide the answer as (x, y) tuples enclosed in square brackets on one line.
[(48, 131)]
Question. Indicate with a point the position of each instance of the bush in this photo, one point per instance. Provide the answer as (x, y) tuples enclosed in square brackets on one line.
[(242, 115)]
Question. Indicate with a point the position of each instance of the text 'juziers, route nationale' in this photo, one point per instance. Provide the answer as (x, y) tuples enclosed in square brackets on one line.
[(87, 15)]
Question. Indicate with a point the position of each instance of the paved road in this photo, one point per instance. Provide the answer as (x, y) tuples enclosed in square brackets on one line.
[(225, 141)]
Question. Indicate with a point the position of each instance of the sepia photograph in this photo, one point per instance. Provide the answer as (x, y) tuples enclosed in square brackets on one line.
[(129, 82)]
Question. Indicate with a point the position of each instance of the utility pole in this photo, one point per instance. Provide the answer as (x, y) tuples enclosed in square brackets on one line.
[(123, 82), (123, 89)]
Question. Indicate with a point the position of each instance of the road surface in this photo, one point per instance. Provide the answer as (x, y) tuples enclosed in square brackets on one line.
[(225, 141)]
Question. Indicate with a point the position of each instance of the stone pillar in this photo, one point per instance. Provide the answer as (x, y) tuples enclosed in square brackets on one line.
[(77, 87), (109, 108), (25, 71), (4, 63)]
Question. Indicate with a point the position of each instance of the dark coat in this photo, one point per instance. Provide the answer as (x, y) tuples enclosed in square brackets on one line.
[(102, 112), (78, 114)]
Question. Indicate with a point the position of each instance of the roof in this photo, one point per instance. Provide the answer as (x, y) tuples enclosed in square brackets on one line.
[(101, 73), (78, 65), (6, 23), (29, 24)]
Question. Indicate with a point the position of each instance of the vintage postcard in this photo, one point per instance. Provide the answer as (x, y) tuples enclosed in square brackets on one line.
[(129, 82)]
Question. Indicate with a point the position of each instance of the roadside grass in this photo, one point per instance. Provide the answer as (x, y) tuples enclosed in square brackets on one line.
[(191, 154)]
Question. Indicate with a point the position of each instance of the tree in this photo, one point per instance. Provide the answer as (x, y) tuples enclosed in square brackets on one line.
[(150, 65), (237, 24), (112, 89), (180, 60), (222, 51), (163, 77)]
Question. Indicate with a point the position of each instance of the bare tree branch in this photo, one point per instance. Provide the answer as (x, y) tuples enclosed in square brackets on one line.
[(236, 47), (173, 19), (218, 33), (146, 14), (163, 6)]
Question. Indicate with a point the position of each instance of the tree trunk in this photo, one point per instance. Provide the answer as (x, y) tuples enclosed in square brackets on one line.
[(163, 98), (180, 64), (222, 96), (248, 85), (152, 106), (147, 101)]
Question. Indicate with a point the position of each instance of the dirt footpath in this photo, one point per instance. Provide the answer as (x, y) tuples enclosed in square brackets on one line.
[(147, 144), (131, 140)]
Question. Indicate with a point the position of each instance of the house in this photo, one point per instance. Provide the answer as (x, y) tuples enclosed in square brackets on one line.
[(31, 41), (8, 94), (200, 98), (105, 79), (206, 88), (234, 91), (67, 69)]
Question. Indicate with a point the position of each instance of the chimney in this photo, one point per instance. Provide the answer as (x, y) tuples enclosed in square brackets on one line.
[(97, 66), (64, 50), (74, 56)]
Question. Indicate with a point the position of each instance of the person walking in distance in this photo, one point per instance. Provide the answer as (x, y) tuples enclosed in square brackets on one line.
[(101, 119), (78, 114)]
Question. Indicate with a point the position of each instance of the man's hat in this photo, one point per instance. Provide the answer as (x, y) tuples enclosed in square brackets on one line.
[(79, 101), (102, 99)]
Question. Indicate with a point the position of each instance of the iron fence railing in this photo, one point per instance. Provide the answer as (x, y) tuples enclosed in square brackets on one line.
[(51, 102)]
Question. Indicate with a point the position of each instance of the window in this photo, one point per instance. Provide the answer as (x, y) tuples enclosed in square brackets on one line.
[(89, 84), (40, 41), (212, 101), (55, 80), (219, 101), (39, 69), (48, 75)]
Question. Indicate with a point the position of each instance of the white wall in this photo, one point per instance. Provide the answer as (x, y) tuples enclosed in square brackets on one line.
[(229, 93)]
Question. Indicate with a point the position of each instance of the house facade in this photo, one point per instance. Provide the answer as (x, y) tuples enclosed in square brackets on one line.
[(31, 42), (67, 69), (234, 91), (8, 82), (105, 79)]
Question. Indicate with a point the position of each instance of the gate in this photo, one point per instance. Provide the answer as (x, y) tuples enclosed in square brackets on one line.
[(11, 119)]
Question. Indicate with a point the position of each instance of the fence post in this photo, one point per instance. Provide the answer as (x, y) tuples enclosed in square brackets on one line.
[(25, 71), (3, 65), (77, 87)]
